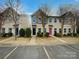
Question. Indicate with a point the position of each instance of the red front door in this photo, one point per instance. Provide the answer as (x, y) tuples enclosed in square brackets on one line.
[(50, 31)]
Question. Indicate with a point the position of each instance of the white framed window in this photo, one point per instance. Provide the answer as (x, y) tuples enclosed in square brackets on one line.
[(64, 30), (69, 30), (44, 29), (45, 20), (10, 30), (39, 19), (39, 29), (50, 20), (3, 30), (59, 30), (34, 19)]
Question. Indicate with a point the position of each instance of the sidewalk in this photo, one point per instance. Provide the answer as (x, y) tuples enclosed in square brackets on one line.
[(32, 41)]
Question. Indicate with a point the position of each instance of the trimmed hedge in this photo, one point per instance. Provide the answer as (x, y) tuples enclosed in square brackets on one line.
[(22, 32), (46, 34), (28, 32), (57, 34), (75, 34), (10, 34), (39, 34), (7, 34)]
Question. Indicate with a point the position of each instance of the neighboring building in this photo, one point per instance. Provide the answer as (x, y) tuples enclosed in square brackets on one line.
[(8, 24), (53, 24)]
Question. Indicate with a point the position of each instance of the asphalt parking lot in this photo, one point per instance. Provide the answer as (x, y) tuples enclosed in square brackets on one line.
[(38, 52)]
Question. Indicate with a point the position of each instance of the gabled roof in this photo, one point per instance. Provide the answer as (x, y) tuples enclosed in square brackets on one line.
[(68, 14), (39, 12), (8, 10)]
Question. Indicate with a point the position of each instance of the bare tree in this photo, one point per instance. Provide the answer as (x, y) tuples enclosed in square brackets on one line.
[(72, 19), (1, 17), (14, 4), (0, 23), (44, 18)]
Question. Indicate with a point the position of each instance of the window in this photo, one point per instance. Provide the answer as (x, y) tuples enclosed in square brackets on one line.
[(55, 20), (34, 19), (39, 29), (44, 29), (69, 30), (39, 20), (10, 30), (60, 30), (3, 30), (50, 20), (64, 30), (45, 20)]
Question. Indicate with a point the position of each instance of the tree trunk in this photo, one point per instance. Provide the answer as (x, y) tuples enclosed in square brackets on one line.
[(62, 26), (62, 30), (72, 32), (15, 32), (0, 32), (43, 31)]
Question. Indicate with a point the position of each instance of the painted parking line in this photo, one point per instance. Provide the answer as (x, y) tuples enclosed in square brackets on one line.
[(46, 52), (67, 45), (10, 53)]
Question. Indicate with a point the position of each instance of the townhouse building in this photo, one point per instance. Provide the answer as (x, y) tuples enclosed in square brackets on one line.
[(53, 23), (8, 24)]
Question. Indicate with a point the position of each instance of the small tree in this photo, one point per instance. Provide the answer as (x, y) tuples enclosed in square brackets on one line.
[(28, 32), (22, 32), (45, 12), (72, 16), (14, 4)]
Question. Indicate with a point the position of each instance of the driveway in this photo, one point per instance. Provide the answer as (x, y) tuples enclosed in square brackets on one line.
[(38, 52)]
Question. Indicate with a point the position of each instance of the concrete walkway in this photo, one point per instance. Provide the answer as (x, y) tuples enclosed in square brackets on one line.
[(32, 41)]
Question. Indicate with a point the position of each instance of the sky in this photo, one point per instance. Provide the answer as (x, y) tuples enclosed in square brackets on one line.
[(30, 6)]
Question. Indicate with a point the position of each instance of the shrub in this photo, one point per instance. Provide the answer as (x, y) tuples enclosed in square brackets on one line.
[(39, 34), (69, 34), (65, 35), (46, 34), (57, 34), (22, 32), (10, 34), (4, 34), (28, 32), (74, 34)]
